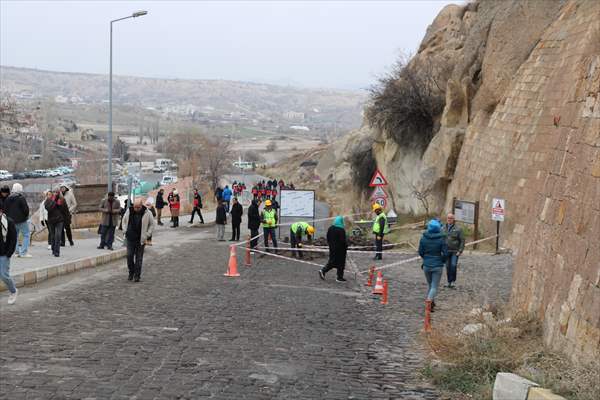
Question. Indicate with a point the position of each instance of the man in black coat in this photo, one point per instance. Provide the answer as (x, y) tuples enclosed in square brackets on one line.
[(236, 219), (338, 246), (197, 207), (221, 221), (160, 204), (254, 222), (8, 244), (17, 209), (57, 214)]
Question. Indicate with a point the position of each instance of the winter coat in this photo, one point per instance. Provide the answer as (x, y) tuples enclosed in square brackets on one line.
[(175, 205), (16, 208), (70, 200), (160, 201), (197, 200), (338, 246), (433, 248), (221, 218), (57, 210), (147, 224), (455, 238), (108, 213), (236, 214), (253, 216), (227, 193), (8, 236), (43, 213)]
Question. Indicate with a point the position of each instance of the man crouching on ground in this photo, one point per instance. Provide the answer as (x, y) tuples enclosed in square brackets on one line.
[(139, 225)]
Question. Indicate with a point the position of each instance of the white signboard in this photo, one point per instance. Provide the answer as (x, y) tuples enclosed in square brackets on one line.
[(464, 211), (297, 203), (498, 210)]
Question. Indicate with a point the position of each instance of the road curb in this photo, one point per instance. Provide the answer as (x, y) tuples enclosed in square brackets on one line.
[(52, 271)]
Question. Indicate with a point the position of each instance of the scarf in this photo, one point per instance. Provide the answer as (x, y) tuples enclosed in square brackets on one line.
[(3, 227)]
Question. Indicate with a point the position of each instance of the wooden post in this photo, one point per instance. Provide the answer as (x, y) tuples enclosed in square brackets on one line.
[(497, 237)]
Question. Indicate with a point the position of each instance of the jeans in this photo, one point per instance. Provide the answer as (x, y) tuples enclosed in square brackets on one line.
[(23, 229), (5, 274), (220, 232), (108, 236), (378, 247), (135, 257), (451, 265), (254, 241), (270, 232), (195, 211), (235, 231), (50, 232), (433, 281), (227, 205), (57, 230)]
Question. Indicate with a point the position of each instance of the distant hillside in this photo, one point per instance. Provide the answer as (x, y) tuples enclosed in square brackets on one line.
[(253, 98)]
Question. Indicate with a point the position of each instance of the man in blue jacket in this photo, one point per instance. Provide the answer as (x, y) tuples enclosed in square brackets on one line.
[(227, 193), (434, 251)]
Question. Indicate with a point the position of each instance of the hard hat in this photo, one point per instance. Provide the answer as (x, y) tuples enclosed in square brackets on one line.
[(376, 206), (268, 203), (310, 230)]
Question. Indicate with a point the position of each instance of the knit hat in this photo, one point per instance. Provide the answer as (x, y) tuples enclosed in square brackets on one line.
[(434, 226), (17, 188)]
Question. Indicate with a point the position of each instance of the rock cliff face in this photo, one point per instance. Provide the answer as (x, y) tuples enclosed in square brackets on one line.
[(520, 121)]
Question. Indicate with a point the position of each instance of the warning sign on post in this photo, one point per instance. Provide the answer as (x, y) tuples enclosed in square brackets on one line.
[(379, 192), (378, 179), (498, 210), (382, 201)]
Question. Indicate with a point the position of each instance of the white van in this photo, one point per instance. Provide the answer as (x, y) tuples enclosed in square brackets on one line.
[(168, 180)]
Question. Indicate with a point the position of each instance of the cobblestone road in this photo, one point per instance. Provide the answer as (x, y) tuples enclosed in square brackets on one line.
[(185, 331)]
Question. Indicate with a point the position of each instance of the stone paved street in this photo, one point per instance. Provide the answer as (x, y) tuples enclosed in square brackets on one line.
[(186, 331)]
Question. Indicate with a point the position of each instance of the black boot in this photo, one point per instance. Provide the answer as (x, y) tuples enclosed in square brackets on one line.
[(130, 278)]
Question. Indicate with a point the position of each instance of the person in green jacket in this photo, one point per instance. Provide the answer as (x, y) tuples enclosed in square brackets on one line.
[(380, 228), (297, 229), (455, 239)]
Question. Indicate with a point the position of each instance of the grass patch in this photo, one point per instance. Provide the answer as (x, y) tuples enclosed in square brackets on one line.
[(466, 365)]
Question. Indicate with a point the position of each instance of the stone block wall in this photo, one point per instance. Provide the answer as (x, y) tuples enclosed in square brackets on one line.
[(540, 150)]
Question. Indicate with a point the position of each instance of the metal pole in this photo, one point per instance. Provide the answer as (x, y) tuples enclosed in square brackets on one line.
[(497, 237), (109, 138)]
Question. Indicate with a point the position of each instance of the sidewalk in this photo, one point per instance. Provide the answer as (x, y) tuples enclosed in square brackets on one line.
[(43, 265)]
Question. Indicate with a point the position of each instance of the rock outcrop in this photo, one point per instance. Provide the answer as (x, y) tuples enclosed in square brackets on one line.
[(521, 121)]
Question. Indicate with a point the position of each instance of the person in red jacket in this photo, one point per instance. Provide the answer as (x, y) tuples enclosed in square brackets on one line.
[(175, 205), (197, 207), (269, 193), (255, 192)]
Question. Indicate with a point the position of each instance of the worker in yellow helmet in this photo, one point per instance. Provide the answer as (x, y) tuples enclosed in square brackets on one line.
[(380, 228), (269, 221), (297, 229)]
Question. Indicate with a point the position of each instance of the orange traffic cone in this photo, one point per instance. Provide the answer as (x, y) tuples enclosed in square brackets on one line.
[(384, 299), (371, 273), (378, 289), (232, 268), (248, 260), (427, 326)]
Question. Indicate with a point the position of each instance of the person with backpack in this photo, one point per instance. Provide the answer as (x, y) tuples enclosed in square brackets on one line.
[(197, 207)]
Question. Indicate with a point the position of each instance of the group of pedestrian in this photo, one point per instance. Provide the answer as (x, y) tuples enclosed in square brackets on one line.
[(56, 213), (16, 209), (238, 188), (441, 245), (268, 190)]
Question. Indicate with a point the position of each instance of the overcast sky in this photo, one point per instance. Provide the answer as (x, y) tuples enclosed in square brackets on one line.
[(337, 44)]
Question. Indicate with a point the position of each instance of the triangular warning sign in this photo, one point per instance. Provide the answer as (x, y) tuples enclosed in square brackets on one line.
[(378, 179), (379, 192), (498, 205)]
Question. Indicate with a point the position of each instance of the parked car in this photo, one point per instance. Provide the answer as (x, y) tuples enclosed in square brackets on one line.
[(158, 169), (5, 175), (168, 180), (19, 175)]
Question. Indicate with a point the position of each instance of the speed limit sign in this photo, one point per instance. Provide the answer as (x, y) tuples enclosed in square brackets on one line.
[(382, 201)]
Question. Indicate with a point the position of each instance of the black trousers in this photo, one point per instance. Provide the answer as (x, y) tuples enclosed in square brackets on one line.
[(253, 234), (329, 266), (195, 211), (295, 245), (107, 236), (69, 233), (135, 257), (235, 230), (270, 232), (379, 247)]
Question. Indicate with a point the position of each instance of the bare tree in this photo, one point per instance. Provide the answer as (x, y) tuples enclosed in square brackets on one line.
[(216, 160), (424, 189)]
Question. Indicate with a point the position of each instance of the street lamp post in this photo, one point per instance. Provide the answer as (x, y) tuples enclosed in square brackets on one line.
[(109, 139)]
